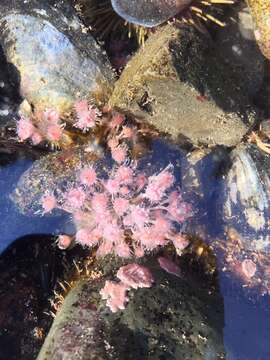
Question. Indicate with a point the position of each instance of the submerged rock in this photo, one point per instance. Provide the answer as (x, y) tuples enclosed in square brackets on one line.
[(181, 86), (51, 174), (175, 319), (57, 62)]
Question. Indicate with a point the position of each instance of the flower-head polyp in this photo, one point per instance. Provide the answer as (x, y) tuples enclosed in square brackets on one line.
[(75, 198), (88, 176), (87, 116), (54, 132), (48, 203), (119, 154), (25, 128)]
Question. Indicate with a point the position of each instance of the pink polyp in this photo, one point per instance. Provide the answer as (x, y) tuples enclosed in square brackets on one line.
[(64, 241), (48, 203), (119, 154), (54, 132), (88, 176), (76, 198), (249, 268), (135, 276), (169, 266), (120, 206), (115, 294), (25, 128)]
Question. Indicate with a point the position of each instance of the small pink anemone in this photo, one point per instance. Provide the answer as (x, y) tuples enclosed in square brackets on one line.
[(169, 266), (75, 198), (54, 132), (64, 241), (25, 128), (120, 206), (249, 268), (158, 184), (135, 276), (88, 176), (87, 116), (115, 294), (116, 121), (119, 154), (48, 203)]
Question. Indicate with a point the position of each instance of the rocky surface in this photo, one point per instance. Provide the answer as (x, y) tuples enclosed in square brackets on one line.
[(10, 97), (178, 318), (179, 84), (54, 58), (237, 46), (50, 174), (75, 332)]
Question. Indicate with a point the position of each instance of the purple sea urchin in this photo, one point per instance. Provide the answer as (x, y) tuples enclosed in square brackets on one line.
[(136, 17), (148, 13)]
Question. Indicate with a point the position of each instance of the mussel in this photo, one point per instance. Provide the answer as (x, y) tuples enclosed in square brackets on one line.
[(247, 197)]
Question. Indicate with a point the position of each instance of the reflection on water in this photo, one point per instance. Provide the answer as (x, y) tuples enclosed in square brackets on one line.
[(246, 313)]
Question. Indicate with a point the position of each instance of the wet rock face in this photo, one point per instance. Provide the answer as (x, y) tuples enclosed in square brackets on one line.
[(247, 197), (175, 319), (10, 97), (182, 86), (75, 334), (56, 62), (260, 11), (237, 46), (148, 13)]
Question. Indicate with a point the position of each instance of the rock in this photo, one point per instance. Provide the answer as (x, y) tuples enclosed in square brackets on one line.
[(174, 319), (237, 46), (262, 99), (14, 161), (56, 61), (181, 86), (260, 12), (51, 174), (10, 98), (75, 333)]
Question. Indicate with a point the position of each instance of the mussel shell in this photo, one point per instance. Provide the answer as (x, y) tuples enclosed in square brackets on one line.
[(246, 208), (148, 13)]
